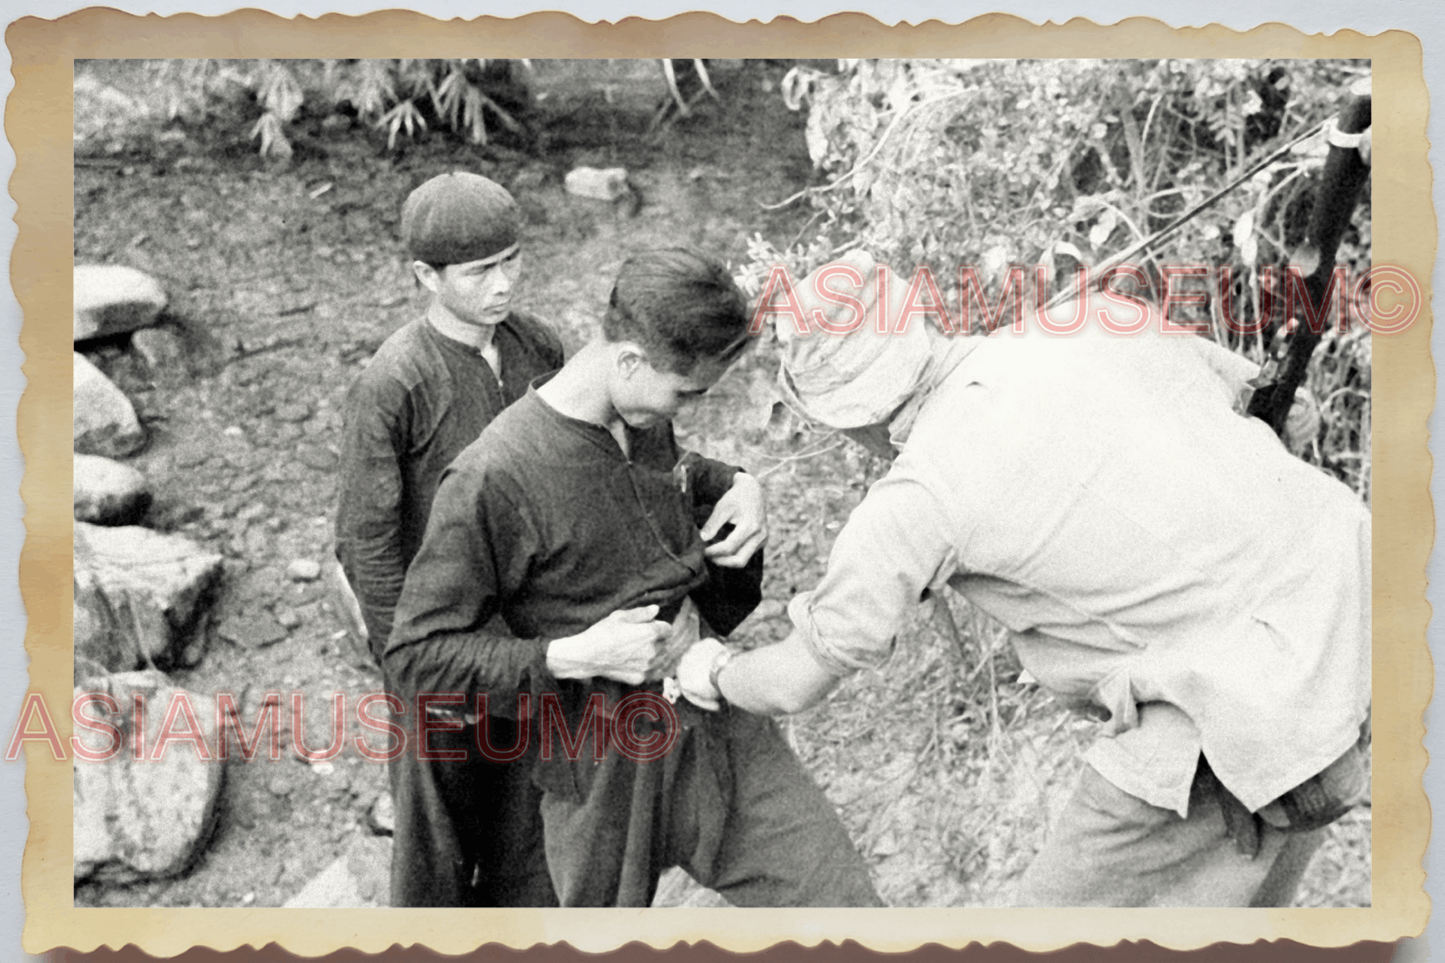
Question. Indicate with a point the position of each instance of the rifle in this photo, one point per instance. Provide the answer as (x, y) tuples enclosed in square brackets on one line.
[(1345, 172)]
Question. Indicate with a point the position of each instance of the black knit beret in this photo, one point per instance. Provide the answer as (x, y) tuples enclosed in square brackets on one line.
[(458, 217)]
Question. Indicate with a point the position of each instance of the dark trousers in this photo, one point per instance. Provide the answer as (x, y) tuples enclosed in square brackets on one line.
[(730, 804), (468, 833)]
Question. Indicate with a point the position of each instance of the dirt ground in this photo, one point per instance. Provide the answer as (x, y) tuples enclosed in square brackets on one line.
[(944, 768)]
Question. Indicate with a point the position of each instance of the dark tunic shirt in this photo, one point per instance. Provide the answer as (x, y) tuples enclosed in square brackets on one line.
[(423, 398), (545, 521)]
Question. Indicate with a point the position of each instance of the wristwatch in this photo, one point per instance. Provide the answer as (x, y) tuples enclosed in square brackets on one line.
[(719, 660)]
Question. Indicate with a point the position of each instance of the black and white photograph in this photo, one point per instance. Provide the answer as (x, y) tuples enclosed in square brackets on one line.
[(724, 483)]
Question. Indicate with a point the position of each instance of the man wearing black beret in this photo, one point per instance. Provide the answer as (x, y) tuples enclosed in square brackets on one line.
[(468, 833)]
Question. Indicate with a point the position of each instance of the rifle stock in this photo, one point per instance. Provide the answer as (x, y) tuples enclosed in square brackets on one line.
[(1345, 172)]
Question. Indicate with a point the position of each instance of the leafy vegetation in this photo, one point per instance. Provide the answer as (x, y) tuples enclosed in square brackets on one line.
[(1009, 164), (397, 97), (471, 98), (946, 765)]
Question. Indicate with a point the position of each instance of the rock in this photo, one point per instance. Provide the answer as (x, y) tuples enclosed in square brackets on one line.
[(258, 542), (161, 350), (259, 586), (302, 593), (603, 184), (381, 817), (338, 783), (191, 455), (107, 492), (104, 421), (286, 432), (292, 412), (769, 609), (529, 179), (318, 458), (194, 651), (254, 630), (288, 618), (112, 299), (177, 514), (887, 844), (359, 877), (367, 887), (303, 570), (138, 596), (146, 819), (251, 511), (316, 731), (285, 470), (100, 109)]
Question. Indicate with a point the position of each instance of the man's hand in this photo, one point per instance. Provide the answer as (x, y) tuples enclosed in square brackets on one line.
[(695, 670), (627, 646), (684, 633), (744, 507)]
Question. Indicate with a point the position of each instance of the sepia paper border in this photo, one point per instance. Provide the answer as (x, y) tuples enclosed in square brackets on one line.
[(38, 125)]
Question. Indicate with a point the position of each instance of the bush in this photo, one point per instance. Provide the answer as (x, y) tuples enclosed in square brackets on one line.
[(1016, 163), (1013, 163), (399, 97)]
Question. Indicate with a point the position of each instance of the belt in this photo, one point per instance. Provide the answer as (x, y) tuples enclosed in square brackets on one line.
[(1313, 804)]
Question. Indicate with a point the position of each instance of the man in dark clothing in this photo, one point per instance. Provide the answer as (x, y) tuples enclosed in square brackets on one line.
[(427, 394), (435, 384), (573, 519)]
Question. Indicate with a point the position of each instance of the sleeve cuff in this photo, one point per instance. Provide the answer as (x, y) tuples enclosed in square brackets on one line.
[(539, 677), (714, 478), (832, 657)]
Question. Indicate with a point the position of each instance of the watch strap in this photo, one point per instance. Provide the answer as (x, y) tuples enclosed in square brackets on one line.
[(719, 660)]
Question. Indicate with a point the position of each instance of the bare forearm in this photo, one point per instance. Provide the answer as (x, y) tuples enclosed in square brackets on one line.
[(776, 679)]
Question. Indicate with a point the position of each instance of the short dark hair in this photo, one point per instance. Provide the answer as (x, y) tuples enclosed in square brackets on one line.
[(681, 306)]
